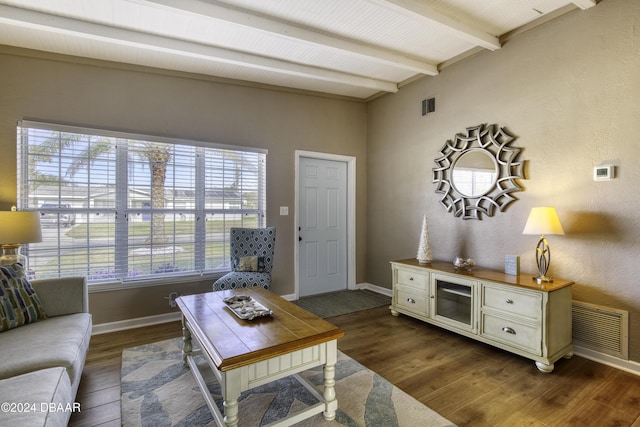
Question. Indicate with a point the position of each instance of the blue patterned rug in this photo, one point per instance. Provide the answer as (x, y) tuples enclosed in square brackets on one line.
[(156, 390)]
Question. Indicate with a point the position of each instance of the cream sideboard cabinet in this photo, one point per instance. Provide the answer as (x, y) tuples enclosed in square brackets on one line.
[(514, 313)]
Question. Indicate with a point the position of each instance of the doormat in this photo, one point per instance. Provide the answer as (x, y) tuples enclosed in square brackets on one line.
[(342, 302)]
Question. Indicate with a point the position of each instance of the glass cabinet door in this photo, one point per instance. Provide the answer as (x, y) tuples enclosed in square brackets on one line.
[(453, 301)]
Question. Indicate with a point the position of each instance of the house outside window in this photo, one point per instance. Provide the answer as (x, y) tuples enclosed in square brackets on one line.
[(129, 208)]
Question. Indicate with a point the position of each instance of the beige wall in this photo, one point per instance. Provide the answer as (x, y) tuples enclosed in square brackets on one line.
[(51, 88), (569, 91)]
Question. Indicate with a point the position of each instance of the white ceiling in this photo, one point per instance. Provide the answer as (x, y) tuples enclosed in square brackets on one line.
[(354, 48)]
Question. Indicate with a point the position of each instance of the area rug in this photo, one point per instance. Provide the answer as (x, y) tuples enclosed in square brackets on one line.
[(156, 390), (342, 302)]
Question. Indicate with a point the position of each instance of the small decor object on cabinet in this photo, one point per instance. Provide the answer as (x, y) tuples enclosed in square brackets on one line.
[(460, 262), (424, 248), (512, 265)]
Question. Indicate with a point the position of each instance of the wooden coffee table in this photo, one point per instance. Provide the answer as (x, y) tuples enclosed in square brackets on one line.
[(247, 353)]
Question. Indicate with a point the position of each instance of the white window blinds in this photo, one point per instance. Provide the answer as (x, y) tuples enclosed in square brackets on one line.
[(129, 207)]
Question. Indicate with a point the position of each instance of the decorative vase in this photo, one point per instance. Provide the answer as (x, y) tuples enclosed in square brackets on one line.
[(424, 248)]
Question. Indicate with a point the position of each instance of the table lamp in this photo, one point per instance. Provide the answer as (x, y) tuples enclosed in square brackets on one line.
[(17, 228), (543, 220)]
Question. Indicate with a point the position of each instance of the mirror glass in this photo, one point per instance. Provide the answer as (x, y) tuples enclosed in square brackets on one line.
[(474, 173)]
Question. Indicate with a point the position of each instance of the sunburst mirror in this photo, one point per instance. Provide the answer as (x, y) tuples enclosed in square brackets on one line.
[(477, 172)]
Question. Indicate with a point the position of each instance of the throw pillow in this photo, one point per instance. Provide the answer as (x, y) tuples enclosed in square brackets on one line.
[(249, 264), (19, 304)]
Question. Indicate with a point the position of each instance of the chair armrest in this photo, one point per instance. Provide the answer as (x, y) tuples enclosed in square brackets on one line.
[(62, 296)]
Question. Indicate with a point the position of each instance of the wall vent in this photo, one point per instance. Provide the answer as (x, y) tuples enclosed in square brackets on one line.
[(601, 329), (428, 106)]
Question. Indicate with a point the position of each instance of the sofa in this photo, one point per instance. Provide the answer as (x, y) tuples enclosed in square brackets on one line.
[(43, 346)]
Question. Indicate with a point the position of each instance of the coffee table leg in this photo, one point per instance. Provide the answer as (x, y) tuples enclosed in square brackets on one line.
[(231, 393), (331, 403), (187, 347)]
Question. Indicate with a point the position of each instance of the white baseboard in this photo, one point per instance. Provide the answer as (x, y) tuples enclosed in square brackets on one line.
[(375, 288), (615, 362), (368, 286), (138, 322)]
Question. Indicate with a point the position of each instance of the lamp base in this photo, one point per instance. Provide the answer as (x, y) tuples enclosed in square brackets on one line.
[(543, 259), (542, 279), (11, 255)]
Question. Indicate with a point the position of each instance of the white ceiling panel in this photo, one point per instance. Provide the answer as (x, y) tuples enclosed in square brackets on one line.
[(354, 48)]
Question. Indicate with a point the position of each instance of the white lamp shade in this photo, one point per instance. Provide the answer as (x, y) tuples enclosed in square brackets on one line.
[(20, 227), (543, 220)]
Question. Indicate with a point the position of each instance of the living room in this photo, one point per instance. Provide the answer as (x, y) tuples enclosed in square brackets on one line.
[(566, 90)]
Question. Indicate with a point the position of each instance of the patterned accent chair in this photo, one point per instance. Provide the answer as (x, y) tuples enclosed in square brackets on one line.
[(251, 259)]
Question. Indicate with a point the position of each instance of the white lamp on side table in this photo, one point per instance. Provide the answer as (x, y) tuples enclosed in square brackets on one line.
[(18, 228)]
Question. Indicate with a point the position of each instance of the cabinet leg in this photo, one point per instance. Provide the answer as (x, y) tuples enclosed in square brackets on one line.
[(393, 312), (568, 355), (543, 367)]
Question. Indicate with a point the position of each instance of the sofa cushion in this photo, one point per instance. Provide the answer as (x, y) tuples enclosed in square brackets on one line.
[(57, 341), (19, 304), (39, 398)]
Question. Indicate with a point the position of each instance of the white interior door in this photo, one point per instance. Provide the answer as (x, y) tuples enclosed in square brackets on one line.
[(322, 231)]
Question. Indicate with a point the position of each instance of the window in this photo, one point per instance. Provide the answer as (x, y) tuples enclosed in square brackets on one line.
[(119, 207)]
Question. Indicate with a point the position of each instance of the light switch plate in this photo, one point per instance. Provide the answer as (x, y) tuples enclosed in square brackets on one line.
[(284, 210), (512, 265)]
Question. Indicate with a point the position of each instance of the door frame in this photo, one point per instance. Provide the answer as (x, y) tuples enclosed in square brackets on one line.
[(351, 214)]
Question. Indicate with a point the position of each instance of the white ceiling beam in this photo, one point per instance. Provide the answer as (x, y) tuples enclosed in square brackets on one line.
[(584, 4), (91, 31), (218, 11), (461, 29)]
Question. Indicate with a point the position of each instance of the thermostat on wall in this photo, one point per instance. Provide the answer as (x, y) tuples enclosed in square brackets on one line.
[(603, 173)]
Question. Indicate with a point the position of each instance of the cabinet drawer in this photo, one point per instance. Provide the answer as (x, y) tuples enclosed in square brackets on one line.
[(411, 300), (414, 279), (513, 333), (513, 301)]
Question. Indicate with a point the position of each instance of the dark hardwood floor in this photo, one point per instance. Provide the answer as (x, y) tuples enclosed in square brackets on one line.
[(470, 383)]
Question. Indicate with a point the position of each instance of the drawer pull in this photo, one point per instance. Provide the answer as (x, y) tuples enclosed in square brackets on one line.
[(509, 301), (411, 300), (509, 330), (411, 279)]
